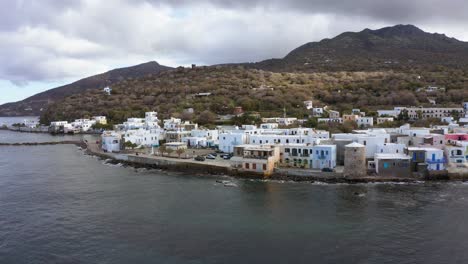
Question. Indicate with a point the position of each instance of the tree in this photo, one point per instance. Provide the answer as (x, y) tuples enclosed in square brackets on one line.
[(206, 117), (349, 126), (311, 122), (162, 149), (180, 151), (169, 151), (455, 114), (129, 144), (403, 116)]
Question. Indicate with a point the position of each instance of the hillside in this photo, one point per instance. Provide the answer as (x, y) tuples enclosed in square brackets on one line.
[(170, 92), (42, 100), (401, 47), (370, 69)]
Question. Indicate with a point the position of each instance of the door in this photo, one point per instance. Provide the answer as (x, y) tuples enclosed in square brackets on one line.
[(433, 156)]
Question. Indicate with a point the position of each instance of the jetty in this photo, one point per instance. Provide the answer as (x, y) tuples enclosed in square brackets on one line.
[(63, 142)]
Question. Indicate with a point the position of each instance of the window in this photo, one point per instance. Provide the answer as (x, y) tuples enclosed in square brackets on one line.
[(247, 165), (364, 143), (385, 165), (254, 166), (286, 150), (264, 167)]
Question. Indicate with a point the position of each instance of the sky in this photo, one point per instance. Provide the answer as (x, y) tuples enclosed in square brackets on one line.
[(48, 43)]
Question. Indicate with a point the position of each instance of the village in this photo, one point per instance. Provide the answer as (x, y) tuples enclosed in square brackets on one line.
[(282, 146)]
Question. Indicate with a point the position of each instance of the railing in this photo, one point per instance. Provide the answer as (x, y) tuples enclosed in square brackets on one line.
[(436, 161), (255, 157)]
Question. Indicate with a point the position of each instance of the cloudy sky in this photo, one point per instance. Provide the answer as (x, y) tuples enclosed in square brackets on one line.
[(47, 43)]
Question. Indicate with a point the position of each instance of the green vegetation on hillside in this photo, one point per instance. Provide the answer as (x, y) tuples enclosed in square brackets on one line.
[(170, 93)]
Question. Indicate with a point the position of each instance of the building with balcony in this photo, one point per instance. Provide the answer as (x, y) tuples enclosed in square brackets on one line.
[(433, 157), (323, 156), (256, 158)]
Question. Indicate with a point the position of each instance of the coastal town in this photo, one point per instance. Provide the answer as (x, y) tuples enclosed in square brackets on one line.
[(282, 145)]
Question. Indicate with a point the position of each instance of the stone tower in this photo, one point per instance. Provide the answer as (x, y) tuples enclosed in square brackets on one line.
[(355, 160)]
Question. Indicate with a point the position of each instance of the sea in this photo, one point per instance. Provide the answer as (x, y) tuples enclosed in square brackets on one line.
[(58, 205)]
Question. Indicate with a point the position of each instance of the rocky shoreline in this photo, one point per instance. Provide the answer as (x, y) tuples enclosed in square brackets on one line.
[(210, 170)]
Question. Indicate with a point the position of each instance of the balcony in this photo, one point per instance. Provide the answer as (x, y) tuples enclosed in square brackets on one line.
[(322, 157), (255, 157), (436, 161)]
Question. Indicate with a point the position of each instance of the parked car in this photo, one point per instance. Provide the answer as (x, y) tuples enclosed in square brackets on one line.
[(227, 156), (209, 156), (214, 154), (200, 158), (328, 170)]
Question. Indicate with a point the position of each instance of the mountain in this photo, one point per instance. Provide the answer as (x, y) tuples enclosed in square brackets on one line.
[(401, 47), (34, 104)]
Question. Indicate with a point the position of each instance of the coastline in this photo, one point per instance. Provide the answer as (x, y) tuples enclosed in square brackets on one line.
[(213, 169), (179, 165)]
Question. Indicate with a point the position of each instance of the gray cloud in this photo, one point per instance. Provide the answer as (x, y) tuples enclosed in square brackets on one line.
[(390, 11), (55, 40)]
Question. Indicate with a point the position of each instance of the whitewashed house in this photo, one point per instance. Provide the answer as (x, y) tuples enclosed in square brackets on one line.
[(390, 148), (317, 112), (111, 141), (370, 141), (324, 156), (228, 140), (269, 126), (381, 120), (365, 121), (434, 158), (100, 120), (144, 137)]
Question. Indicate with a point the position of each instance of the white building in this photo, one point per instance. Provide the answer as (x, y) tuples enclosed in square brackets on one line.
[(31, 123), (381, 120), (389, 113), (58, 123), (458, 153), (202, 138), (111, 141), (324, 156), (434, 158), (151, 120), (133, 123), (308, 104), (228, 140), (107, 90), (317, 112), (433, 112), (330, 120), (370, 141), (83, 125), (365, 121), (269, 126), (144, 137), (100, 120), (390, 148), (413, 132), (308, 156)]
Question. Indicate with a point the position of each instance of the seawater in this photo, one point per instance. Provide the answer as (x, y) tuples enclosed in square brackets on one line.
[(58, 205)]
